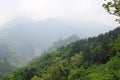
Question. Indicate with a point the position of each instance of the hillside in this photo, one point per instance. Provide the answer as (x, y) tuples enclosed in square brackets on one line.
[(64, 42), (94, 58), (5, 66), (26, 38), (9, 58)]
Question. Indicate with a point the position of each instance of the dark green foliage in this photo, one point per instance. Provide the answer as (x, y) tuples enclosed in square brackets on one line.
[(96, 58)]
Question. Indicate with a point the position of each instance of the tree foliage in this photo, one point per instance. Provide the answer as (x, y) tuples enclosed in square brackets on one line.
[(113, 7)]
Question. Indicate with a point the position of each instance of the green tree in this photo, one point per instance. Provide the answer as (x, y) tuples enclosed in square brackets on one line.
[(113, 7), (76, 60), (57, 72), (11, 76), (36, 78), (77, 74)]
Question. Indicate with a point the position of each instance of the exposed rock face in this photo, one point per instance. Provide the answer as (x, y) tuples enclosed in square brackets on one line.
[(37, 52)]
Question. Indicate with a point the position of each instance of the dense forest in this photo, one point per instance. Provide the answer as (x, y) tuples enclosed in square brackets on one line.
[(93, 58)]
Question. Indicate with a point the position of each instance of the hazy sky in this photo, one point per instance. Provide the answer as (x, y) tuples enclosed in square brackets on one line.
[(79, 10)]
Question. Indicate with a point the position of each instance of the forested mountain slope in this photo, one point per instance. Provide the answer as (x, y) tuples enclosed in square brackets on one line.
[(95, 58), (22, 39)]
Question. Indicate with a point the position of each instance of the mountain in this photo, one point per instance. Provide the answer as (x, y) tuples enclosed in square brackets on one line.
[(93, 58), (38, 34), (42, 34), (22, 38), (63, 42)]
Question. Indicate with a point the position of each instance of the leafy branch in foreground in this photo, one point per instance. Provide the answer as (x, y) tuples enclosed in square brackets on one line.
[(113, 7)]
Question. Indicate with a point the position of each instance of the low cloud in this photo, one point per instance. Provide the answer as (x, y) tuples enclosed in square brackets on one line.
[(81, 10)]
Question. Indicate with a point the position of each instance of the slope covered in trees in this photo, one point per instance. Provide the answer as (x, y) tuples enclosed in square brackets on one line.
[(22, 39), (95, 58)]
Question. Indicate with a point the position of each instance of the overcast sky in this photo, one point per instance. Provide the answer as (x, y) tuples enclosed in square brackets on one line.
[(79, 10)]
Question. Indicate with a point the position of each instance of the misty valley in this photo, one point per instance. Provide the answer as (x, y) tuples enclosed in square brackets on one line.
[(59, 40)]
